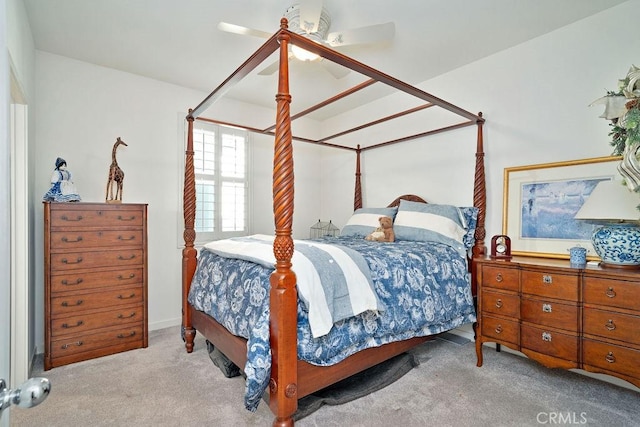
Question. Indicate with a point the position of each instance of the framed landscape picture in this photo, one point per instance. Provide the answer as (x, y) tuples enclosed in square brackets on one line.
[(541, 200)]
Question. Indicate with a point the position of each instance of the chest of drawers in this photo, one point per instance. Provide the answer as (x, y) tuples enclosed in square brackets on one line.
[(95, 257), (560, 316)]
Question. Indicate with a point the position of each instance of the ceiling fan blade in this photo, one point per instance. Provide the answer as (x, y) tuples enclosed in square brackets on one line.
[(269, 69), (310, 11), (364, 35), (244, 31), (336, 70)]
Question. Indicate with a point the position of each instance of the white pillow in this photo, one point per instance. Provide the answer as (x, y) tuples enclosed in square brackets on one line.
[(365, 220)]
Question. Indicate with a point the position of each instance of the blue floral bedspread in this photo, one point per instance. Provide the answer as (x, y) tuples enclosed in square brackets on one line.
[(424, 285)]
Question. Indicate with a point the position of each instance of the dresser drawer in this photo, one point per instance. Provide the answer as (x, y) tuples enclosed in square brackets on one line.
[(615, 326), (80, 239), (552, 343), (77, 281), (92, 217), (550, 285), (500, 329), (86, 322), (613, 293), (547, 313), (66, 346), (94, 259), (500, 277), (611, 357), (500, 303), (78, 302)]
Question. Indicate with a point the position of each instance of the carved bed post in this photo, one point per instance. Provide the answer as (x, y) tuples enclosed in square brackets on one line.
[(357, 197), (189, 253), (479, 201), (283, 295)]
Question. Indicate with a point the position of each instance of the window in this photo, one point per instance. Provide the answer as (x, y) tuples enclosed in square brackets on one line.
[(220, 163)]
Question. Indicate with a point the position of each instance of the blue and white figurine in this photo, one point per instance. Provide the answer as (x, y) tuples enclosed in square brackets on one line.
[(62, 187)]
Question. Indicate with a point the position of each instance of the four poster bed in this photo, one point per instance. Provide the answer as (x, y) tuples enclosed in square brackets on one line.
[(294, 373)]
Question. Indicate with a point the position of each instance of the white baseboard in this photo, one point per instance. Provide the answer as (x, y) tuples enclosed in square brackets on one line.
[(168, 323)]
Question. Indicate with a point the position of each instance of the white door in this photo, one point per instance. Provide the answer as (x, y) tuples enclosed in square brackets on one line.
[(5, 210), (14, 208)]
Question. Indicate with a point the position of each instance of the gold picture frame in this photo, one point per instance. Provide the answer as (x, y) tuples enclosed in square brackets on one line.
[(539, 202)]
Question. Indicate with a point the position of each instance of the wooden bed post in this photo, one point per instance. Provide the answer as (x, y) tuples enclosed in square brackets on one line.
[(189, 253), (283, 386), (357, 197), (479, 201)]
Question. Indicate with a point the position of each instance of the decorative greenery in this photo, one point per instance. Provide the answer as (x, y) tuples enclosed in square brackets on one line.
[(623, 109)]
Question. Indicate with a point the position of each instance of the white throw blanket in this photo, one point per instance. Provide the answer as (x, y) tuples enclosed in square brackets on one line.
[(333, 281)]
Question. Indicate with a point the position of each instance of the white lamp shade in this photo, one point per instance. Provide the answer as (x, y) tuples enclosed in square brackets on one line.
[(610, 201)]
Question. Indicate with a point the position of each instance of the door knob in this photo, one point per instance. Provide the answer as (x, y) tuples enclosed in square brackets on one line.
[(31, 393)]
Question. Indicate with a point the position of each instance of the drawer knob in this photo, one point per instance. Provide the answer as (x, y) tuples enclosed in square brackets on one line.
[(610, 325), (547, 279), (77, 239), (132, 334), (546, 308), (610, 292), (129, 297), (610, 358), (122, 316), (126, 238), (78, 323), (67, 283), (498, 303), (66, 304), (499, 277), (77, 343), (499, 329), (123, 258), (131, 218), (66, 218), (546, 336), (121, 277), (77, 261)]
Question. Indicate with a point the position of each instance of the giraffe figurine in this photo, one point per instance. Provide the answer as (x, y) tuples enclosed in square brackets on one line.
[(116, 176)]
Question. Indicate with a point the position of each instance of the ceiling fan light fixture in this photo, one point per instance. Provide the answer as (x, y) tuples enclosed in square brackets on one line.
[(303, 55)]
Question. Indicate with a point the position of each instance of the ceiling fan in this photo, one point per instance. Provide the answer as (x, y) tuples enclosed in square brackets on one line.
[(311, 19)]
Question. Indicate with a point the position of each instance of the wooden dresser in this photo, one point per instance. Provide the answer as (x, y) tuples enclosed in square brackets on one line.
[(95, 261), (560, 316)]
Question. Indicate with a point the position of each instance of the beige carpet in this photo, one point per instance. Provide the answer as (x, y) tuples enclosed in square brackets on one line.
[(164, 386)]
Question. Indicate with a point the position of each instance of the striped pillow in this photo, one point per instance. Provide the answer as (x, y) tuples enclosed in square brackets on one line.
[(365, 220), (430, 222)]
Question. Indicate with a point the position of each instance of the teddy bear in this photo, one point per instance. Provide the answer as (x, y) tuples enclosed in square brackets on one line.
[(384, 233)]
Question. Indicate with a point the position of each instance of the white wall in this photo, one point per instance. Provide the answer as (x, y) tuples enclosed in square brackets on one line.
[(535, 99), (83, 108)]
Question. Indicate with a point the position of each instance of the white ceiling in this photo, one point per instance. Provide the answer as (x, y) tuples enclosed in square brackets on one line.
[(178, 41)]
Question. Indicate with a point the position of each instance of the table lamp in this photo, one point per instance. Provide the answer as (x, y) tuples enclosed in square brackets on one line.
[(616, 238)]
